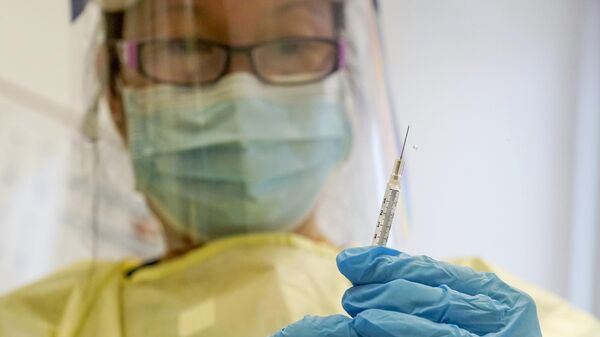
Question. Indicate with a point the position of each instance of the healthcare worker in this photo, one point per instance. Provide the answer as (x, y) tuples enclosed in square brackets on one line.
[(254, 128)]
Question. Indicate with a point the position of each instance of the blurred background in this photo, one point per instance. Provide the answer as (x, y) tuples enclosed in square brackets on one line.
[(503, 99)]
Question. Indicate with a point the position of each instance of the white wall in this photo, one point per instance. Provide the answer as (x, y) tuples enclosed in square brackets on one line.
[(490, 90), (584, 278), (34, 50)]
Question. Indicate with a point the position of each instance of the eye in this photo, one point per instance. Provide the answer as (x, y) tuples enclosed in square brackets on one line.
[(290, 48), (178, 46), (186, 47)]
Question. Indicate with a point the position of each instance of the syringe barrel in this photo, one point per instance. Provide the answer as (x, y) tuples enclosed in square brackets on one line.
[(386, 214)]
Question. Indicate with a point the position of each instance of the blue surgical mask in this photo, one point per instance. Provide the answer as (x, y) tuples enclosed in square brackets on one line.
[(240, 156)]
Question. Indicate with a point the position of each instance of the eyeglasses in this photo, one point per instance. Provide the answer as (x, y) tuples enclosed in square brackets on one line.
[(198, 62)]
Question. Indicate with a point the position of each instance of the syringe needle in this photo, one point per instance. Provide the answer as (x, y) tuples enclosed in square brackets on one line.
[(404, 144), (398, 168)]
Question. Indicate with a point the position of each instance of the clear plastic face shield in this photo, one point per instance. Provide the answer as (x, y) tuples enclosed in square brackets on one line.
[(253, 116)]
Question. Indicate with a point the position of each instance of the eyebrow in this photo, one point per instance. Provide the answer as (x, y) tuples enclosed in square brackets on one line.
[(311, 5), (168, 7)]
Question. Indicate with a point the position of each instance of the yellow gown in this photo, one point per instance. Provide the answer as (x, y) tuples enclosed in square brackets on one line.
[(249, 285)]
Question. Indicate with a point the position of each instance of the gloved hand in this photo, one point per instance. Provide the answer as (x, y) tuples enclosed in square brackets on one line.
[(397, 295)]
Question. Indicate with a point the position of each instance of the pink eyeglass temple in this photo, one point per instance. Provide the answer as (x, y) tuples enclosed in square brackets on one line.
[(130, 53)]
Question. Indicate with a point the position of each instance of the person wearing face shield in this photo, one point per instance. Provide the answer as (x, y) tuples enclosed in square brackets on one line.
[(239, 117)]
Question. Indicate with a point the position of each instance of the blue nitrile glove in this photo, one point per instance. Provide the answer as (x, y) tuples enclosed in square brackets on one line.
[(398, 295)]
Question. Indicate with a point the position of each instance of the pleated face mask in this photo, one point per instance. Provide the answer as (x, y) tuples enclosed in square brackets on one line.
[(239, 156)]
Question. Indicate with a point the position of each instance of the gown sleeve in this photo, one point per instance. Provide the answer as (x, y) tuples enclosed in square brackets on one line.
[(557, 317), (55, 305)]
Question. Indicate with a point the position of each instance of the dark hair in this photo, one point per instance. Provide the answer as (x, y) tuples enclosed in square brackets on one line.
[(113, 23)]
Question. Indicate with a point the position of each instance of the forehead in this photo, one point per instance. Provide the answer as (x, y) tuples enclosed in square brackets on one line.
[(229, 19)]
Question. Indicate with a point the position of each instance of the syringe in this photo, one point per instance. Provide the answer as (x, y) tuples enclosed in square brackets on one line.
[(390, 200)]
